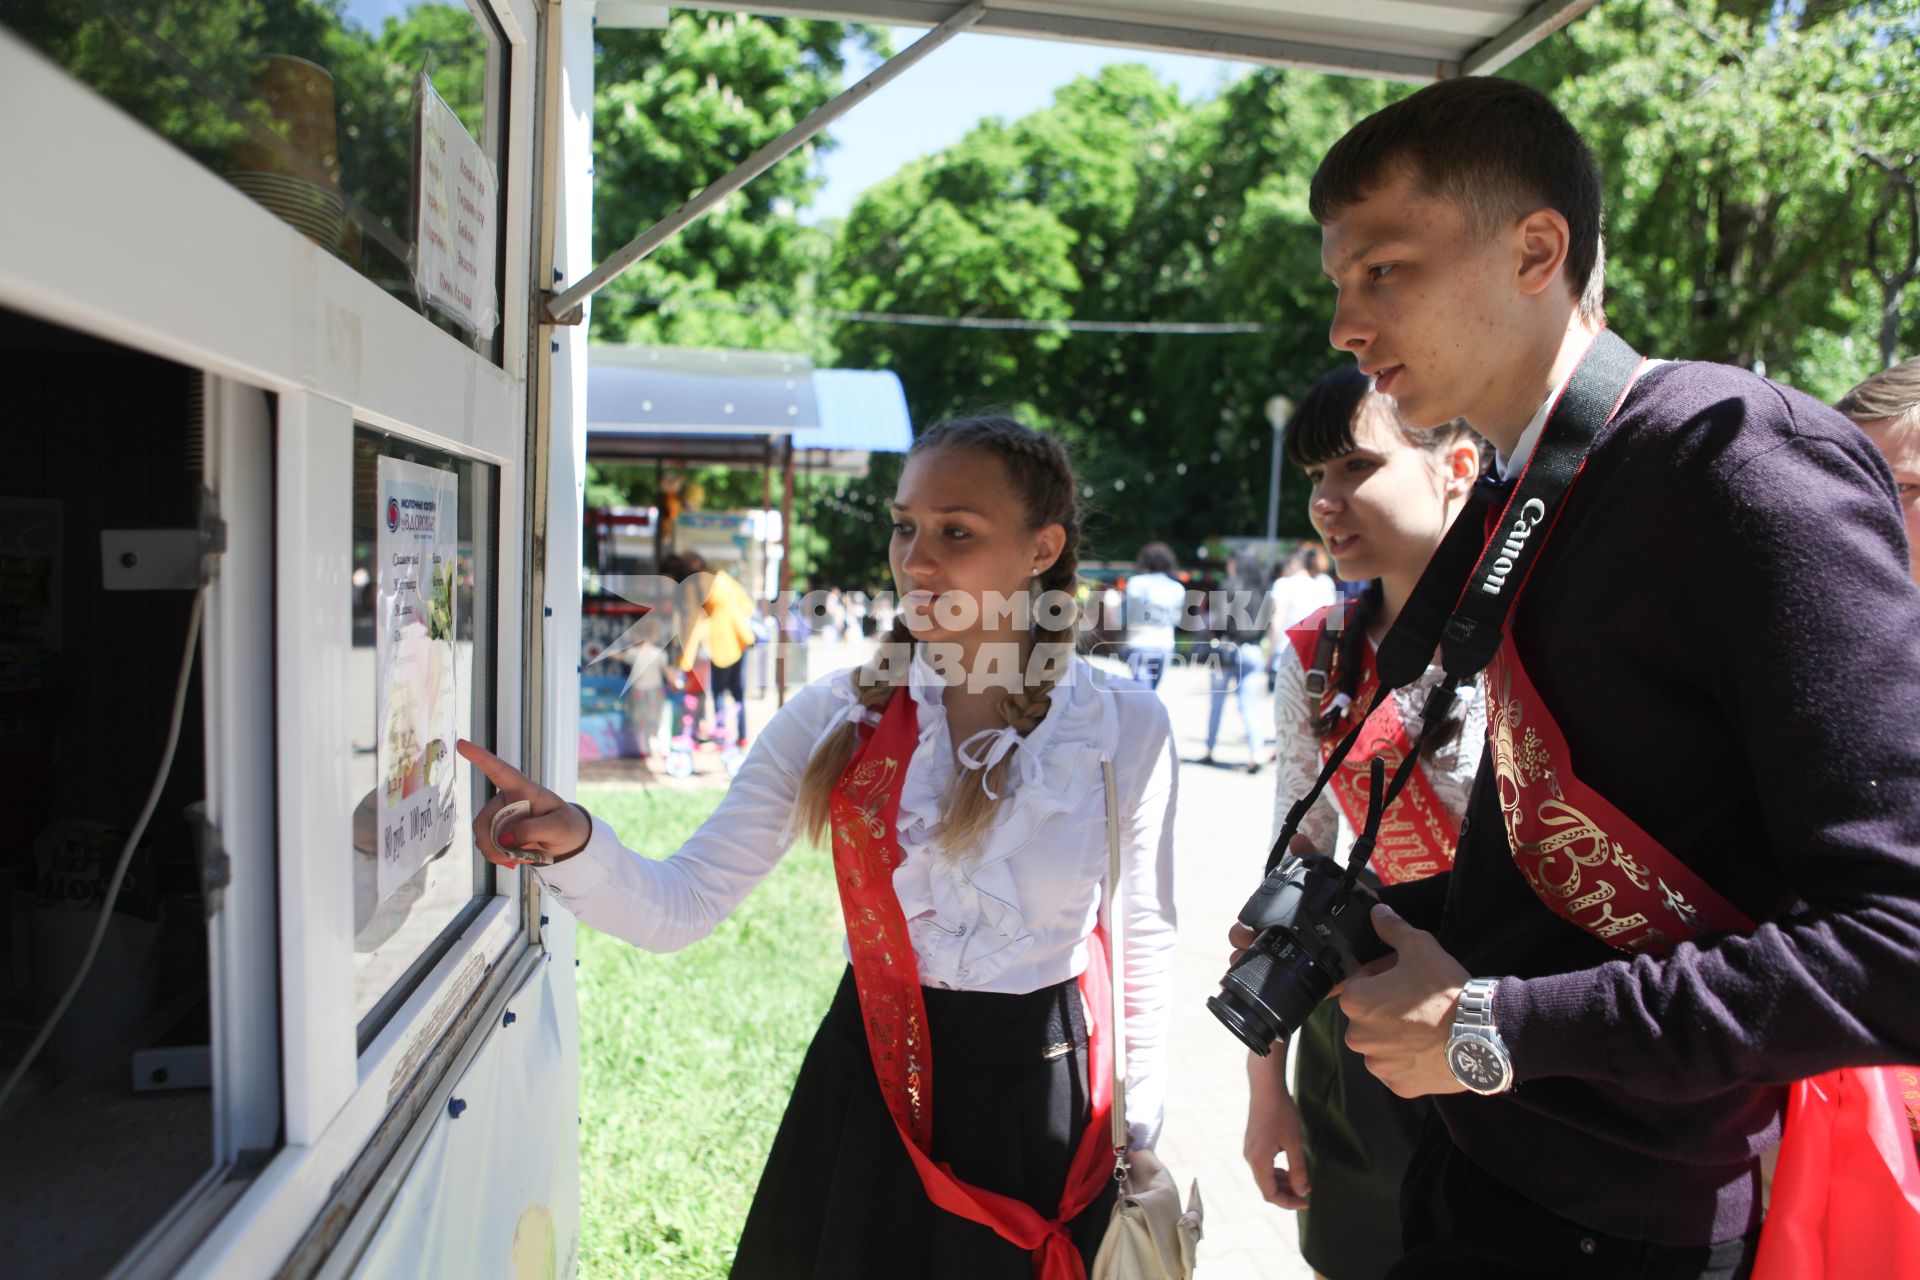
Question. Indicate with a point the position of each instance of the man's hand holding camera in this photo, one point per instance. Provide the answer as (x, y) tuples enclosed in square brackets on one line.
[(1400, 1009), (1400, 1006)]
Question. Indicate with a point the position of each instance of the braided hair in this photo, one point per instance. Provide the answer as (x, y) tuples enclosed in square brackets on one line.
[(1042, 476), (1323, 429)]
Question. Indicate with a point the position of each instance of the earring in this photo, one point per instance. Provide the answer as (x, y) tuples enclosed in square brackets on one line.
[(1035, 573)]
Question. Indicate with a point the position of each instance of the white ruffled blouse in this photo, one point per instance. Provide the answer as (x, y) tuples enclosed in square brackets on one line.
[(1013, 916)]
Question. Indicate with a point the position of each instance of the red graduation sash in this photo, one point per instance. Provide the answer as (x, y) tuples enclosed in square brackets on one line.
[(1417, 833), (1587, 861), (864, 813), (1846, 1196)]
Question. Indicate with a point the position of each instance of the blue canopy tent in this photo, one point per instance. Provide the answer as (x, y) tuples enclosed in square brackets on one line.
[(678, 406)]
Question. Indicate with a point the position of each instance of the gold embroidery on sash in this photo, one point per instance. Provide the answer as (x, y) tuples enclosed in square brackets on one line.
[(1414, 829), (857, 812), (1575, 862)]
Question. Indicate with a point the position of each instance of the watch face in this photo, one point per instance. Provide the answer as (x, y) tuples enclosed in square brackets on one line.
[(1476, 1064)]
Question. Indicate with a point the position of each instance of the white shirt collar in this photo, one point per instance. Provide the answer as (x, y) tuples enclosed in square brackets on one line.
[(1529, 438), (1508, 467)]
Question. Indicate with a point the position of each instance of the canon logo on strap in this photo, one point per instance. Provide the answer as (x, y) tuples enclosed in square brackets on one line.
[(1530, 515)]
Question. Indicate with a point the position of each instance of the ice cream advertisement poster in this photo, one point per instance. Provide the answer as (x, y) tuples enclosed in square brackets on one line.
[(418, 525)]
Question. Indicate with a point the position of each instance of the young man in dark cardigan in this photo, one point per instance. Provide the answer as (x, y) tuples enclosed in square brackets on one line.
[(1723, 627)]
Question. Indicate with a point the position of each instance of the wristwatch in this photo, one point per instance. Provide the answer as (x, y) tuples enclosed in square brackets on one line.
[(1476, 1054)]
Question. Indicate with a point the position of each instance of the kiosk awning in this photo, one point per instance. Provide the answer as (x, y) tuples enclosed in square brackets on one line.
[(1415, 40)]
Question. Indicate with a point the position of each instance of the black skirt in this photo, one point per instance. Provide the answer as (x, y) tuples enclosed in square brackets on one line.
[(1359, 1137), (840, 1199)]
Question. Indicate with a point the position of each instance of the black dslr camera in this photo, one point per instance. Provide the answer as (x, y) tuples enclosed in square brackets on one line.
[(1311, 931)]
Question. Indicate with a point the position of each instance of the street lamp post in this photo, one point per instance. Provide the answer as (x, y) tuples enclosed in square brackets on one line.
[(1279, 408)]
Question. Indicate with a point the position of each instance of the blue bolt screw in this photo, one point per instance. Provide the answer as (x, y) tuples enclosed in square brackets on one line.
[(543, 919), (455, 1106), (510, 1019), (549, 611)]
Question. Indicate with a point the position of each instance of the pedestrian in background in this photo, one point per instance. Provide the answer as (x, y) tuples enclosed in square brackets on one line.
[(1235, 634), (1155, 601)]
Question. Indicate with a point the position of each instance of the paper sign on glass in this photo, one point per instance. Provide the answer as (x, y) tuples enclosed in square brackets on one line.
[(418, 520), (455, 237)]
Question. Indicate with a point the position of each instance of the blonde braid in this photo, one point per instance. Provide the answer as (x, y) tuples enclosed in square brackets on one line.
[(873, 684)]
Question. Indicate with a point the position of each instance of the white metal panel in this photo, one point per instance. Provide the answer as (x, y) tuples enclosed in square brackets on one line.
[(284, 1202), (495, 1190), (315, 745)]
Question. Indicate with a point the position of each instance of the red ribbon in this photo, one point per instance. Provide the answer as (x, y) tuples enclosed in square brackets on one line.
[(1417, 832), (864, 816)]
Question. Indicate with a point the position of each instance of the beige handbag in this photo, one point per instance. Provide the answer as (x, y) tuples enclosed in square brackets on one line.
[(1148, 1237)]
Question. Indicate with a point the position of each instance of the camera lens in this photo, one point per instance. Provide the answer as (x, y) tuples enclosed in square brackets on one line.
[(1270, 992)]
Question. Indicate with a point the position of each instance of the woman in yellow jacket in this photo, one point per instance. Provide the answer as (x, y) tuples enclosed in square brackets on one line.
[(719, 618)]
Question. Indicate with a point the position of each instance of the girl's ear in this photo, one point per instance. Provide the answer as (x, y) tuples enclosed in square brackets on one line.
[(1462, 466), (1047, 545)]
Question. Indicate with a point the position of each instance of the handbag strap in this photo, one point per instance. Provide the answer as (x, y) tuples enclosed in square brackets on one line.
[(1116, 942)]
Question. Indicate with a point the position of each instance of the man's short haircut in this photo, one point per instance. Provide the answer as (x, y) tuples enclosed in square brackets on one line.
[(1891, 393), (1157, 557), (1495, 149)]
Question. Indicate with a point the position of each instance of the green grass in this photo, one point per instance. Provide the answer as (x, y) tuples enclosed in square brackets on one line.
[(686, 1060)]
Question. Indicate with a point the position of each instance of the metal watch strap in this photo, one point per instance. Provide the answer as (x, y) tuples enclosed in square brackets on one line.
[(1476, 1055), (1475, 1008)]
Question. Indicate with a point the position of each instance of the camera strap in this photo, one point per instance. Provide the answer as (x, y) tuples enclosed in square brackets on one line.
[(1466, 595)]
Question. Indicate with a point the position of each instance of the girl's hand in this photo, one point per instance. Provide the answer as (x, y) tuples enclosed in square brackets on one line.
[(552, 827), (1273, 1130)]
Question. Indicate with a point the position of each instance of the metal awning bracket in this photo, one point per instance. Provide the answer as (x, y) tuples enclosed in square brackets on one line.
[(549, 300), (568, 306)]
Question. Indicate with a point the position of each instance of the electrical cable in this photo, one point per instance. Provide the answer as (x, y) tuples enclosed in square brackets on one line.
[(1197, 328), (126, 853)]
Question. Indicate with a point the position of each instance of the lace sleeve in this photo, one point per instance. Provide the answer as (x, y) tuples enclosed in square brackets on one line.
[(1450, 768), (1299, 756)]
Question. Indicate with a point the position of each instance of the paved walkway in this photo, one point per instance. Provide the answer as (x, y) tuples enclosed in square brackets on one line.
[(1220, 842)]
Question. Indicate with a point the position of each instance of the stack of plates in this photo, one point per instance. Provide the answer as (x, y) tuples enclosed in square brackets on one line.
[(294, 99), (315, 211)]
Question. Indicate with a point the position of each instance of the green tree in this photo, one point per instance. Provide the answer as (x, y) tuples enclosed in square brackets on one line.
[(1761, 163), (1116, 202), (676, 109)]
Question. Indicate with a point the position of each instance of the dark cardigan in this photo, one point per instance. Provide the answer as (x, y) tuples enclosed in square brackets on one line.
[(1724, 627)]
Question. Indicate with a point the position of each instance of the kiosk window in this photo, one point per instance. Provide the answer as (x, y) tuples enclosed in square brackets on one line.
[(113, 1120), (314, 110), (424, 544)]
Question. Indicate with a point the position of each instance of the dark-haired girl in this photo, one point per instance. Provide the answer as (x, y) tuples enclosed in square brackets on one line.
[(1383, 496), (950, 1119)]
